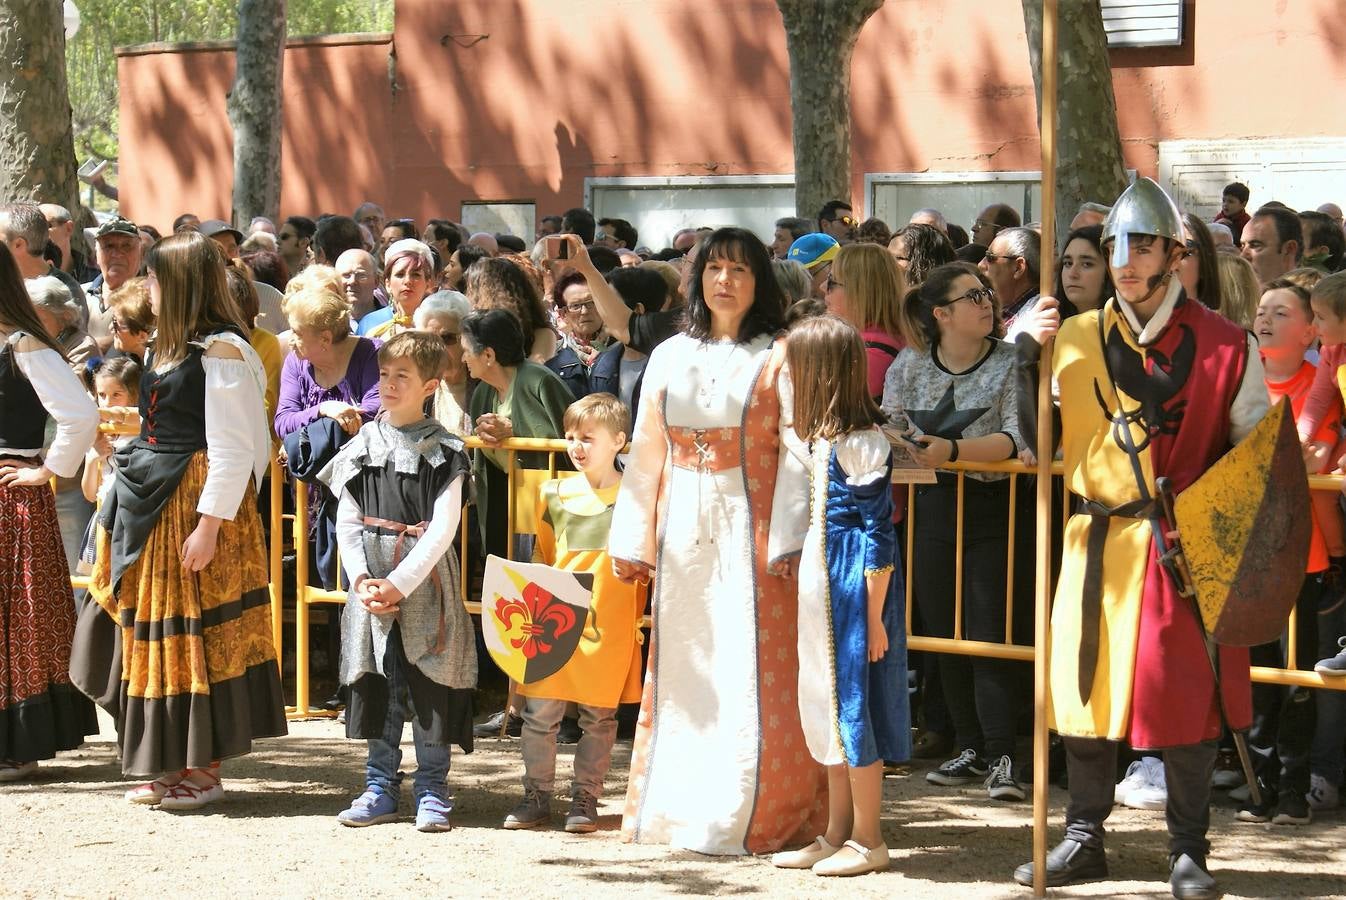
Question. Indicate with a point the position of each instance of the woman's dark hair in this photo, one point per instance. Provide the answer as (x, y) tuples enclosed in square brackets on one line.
[(268, 267), (919, 306), (767, 313), (1094, 235), (126, 370), (927, 247), (499, 330), (244, 294), (639, 286), (957, 236), (16, 309), (1207, 270), (496, 283), (440, 230), (468, 256), (568, 279), (152, 232)]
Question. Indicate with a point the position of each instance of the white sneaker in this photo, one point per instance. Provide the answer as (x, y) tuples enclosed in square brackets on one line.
[(1322, 794), (1134, 778), (1153, 794)]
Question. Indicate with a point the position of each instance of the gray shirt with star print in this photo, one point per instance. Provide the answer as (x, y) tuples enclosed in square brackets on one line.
[(956, 406)]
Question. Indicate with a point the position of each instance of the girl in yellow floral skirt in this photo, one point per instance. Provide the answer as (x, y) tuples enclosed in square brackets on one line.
[(176, 644)]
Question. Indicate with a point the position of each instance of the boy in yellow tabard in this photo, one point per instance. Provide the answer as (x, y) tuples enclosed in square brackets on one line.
[(574, 515)]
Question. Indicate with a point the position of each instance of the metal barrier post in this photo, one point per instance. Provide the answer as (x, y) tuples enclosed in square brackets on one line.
[(301, 648), (274, 550)]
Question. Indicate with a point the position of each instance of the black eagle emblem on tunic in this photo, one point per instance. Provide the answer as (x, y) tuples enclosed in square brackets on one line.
[(1157, 413)]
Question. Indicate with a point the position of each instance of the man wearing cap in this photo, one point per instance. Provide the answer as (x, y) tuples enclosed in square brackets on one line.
[(224, 234), (815, 252), (118, 250), (1153, 384)]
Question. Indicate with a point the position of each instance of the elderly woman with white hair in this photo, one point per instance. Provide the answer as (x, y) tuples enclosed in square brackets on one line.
[(408, 276), (60, 315), (442, 313)]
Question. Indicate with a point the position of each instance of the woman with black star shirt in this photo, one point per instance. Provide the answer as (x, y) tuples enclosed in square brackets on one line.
[(952, 391)]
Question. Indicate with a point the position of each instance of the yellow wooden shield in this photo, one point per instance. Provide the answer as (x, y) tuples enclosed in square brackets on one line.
[(1245, 527)]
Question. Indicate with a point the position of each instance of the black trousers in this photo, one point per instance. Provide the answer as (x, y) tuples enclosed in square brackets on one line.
[(1092, 767), (983, 696), (1284, 718)]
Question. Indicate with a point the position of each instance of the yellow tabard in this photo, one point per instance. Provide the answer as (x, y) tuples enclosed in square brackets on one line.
[(1099, 470)]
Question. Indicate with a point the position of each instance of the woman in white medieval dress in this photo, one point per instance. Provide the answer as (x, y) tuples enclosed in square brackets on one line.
[(714, 507)]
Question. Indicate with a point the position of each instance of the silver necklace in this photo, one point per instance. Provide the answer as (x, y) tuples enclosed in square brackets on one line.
[(708, 394)]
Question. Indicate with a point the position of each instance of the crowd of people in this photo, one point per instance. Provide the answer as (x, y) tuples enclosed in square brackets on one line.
[(767, 389)]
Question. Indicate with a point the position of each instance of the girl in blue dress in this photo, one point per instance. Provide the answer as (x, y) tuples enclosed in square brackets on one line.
[(852, 635)]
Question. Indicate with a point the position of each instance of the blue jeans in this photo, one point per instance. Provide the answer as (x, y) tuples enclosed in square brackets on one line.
[(385, 753)]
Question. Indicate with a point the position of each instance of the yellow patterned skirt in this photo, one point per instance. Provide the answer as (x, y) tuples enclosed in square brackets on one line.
[(196, 676)]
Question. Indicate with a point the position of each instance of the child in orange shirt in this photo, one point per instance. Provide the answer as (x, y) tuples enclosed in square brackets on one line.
[(1285, 717)]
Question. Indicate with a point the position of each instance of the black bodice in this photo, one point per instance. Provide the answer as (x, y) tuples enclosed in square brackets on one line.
[(173, 406), (24, 420)]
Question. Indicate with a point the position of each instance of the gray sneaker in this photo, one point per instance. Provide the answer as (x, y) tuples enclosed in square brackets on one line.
[(533, 810), (583, 815)]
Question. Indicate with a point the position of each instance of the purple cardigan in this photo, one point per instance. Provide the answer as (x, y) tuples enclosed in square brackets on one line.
[(300, 395)]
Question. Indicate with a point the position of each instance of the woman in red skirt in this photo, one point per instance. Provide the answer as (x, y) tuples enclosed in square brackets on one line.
[(41, 713)]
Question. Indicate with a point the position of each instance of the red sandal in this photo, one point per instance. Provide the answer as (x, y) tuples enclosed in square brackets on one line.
[(151, 793), (185, 795)]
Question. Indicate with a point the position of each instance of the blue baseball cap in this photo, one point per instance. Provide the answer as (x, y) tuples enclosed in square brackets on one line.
[(812, 250)]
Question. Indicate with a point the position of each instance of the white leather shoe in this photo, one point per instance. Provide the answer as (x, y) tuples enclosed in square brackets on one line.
[(805, 857), (853, 859)]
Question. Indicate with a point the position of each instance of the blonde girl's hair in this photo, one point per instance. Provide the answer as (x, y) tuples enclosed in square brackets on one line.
[(829, 369), (194, 296), (1239, 290), (874, 287)]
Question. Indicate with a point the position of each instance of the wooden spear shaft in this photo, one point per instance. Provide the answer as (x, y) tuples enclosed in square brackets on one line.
[(1046, 450)]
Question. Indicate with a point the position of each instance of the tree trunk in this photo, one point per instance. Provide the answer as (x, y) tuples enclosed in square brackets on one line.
[(37, 151), (820, 36), (1089, 149), (254, 109)]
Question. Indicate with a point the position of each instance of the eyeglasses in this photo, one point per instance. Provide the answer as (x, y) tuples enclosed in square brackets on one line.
[(832, 283), (901, 258), (978, 224), (992, 257), (976, 296), (115, 325), (848, 221), (450, 337), (580, 307)]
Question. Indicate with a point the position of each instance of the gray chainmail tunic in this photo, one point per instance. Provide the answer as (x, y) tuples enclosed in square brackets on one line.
[(395, 474)]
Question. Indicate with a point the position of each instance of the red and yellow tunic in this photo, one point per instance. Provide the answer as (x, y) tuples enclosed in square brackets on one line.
[(1128, 660), (573, 521)]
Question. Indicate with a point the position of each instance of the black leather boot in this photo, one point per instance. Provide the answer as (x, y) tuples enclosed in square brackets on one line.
[(1189, 879), (1068, 862)]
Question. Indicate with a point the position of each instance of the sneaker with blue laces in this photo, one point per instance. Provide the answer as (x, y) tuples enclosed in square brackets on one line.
[(373, 807), (432, 813)]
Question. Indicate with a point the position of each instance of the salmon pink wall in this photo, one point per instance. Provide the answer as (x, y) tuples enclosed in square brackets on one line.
[(522, 99)]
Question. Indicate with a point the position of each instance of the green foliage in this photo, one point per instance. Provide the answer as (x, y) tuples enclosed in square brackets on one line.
[(91, 63)]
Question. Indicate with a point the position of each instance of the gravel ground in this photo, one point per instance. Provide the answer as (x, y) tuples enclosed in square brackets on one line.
[(68, 833)]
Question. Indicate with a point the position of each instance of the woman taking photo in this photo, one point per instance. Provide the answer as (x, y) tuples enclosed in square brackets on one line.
[(712, 496), (866, 288), (955, 398), (41, 712), (179, 589), (1082, 279), (515, 398)]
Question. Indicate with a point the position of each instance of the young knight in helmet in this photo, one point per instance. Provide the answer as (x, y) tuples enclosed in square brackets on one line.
[(1153, 384)]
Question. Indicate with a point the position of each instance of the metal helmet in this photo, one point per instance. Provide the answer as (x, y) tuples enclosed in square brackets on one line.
[(1143, 208)]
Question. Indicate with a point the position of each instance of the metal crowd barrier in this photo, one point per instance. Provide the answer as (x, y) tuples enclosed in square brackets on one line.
[(520, 487)]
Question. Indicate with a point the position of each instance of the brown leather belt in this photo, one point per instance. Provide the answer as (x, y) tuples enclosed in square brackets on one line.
[(418, 530)]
